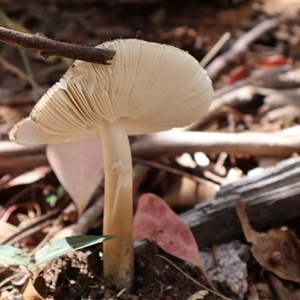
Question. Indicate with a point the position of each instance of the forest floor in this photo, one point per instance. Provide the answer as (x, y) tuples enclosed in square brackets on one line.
[(254, 124)]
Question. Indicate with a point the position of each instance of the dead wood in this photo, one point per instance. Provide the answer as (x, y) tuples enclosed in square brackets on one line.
[(23, 162), (272, 198), (241, 45), (9, 149), (89, 216), (174, 143), (50, 47), (241, 93)]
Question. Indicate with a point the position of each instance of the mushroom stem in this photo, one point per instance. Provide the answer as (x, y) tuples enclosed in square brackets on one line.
[(118, 207)]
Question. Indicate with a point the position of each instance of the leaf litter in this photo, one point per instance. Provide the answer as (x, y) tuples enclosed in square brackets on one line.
[(256, 93)]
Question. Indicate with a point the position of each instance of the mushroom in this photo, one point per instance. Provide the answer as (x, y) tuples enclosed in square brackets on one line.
[(148, 87)]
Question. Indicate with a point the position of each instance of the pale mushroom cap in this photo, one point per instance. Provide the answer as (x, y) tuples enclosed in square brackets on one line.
[(149, 86)]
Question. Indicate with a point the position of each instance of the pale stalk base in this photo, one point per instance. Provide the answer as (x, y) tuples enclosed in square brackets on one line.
[(118, 253)]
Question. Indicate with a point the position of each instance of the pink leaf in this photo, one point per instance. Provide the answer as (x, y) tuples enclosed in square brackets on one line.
[(155, 220), (79, 168)]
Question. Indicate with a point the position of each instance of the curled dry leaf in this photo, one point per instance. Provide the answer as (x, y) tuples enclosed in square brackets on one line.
[(277, 251), (154, 220), (79, 168), (36, 290)]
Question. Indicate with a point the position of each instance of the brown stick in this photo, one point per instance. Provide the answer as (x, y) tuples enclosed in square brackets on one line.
[(50, 47), (175, 171), (9, 150), (241, 45), (89, 217), (171, 143), (241, 93), (252, 143), (23, 162), (38, 223)]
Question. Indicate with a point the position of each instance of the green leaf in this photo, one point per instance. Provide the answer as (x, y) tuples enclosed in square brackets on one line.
[(66, 245), (13, 256)]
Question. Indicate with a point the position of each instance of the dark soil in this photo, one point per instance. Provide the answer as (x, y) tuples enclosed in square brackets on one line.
[(77, 276)]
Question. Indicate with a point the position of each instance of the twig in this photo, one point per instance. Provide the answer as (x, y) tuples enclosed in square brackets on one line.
[(29, 72), (176, 172), (256, 76), (56, 226), (89, 216), (8, 23), (38, 224), (241, 45), (8, 279), (215, 49), (50, 47), (14, 69), (238, 93)]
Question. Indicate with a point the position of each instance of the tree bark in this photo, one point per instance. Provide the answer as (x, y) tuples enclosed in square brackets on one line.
[(272, 198)]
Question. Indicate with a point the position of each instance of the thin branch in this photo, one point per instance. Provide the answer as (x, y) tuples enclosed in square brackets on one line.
[(89, 217), (50, 47), (241, 45), (241, 93), (38, 224), (215, 49), (176, 172)]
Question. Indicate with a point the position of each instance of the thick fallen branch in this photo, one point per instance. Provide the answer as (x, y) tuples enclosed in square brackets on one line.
[(174, 143), (9, 150), (272, 198), (50, 47)]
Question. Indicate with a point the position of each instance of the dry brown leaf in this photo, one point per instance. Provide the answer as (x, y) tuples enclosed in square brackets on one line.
[(36, 290), (276, 251)]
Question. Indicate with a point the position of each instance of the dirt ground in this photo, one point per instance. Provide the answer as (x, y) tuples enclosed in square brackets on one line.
[(194, 26)]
